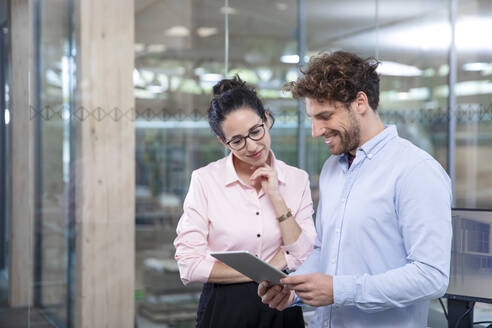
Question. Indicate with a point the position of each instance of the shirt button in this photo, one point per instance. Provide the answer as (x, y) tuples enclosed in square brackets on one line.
[(369, 156), (337, 230), (258, 235), (257, 213)]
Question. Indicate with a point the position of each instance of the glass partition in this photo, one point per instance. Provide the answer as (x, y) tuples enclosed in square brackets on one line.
[(474, 112), (473, 184), (413, 66), (176, 69), (179, 55), (332, 26), (5, 84), (51, 114), (180, 49), (263, 51), (49, 301)]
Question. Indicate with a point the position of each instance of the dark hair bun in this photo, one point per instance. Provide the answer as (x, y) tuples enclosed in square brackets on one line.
[(228, 84)]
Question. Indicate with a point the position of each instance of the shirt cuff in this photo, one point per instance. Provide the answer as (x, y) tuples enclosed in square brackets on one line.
[(297, 252), (297, 301), (344, 290), (202, 271)]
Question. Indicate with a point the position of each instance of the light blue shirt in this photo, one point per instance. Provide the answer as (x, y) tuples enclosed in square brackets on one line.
[(384, 233)]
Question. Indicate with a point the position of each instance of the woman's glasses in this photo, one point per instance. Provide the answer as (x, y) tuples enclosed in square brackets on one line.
[(255, 133)]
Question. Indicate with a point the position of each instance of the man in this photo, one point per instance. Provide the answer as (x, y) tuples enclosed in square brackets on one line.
[(384, 215)]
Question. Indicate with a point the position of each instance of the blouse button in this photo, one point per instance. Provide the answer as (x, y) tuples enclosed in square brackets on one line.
[(258, 235), (287, 252), (257, 213)]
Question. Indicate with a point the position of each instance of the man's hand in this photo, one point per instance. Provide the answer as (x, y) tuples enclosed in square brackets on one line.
[(315, 289), (276, 296)]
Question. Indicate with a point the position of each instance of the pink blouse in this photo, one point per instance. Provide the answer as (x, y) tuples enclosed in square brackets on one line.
[(222, 213)]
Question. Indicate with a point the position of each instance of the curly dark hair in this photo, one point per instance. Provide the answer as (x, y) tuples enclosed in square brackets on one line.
[(338, 77)]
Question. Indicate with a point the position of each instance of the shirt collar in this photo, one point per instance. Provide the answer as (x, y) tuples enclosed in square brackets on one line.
[(372, 146), (231, 174)]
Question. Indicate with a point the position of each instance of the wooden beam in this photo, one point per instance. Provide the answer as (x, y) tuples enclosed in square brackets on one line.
[(21, 172), (105, 165)]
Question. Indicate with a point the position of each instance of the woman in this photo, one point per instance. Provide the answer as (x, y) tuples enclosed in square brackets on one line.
[(250, 201)]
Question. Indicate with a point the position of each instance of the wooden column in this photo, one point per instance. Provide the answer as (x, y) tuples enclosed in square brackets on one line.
[(21, 159), (105, 164)]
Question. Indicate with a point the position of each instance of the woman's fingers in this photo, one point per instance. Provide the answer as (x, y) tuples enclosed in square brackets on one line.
[(262, 172), (262, 288)]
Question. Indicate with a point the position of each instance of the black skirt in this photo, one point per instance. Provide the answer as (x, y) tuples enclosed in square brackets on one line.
[(239, 306)]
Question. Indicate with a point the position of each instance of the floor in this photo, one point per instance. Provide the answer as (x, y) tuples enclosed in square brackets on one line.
[(23, 318)]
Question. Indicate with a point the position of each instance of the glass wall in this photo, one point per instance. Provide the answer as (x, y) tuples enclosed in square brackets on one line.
[(181, 57), (52, 239), (182, 48), (410, 40), (180, 51), (178, 57), (474, 110), (49, 302), (4, 133), (413, 69), (473, 183)]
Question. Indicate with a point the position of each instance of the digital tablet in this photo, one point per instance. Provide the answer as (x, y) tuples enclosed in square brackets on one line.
[(251, 266)]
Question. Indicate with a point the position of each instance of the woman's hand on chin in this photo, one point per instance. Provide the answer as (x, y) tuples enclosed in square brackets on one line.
[(268, 179)]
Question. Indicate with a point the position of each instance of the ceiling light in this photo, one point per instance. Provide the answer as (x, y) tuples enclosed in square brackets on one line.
[(204, 32), (292, 75), (265, 74), (470, 35), (155, 48), (210, 77), (475, 67), (292, 59), (402, 95), (178, 31), (53, 78), (471, 88), (139, 47), (397, 69), (289, 59), (137, 79), (200, 71), (228, 10), (155, 85), (443, 70), (281, 6)]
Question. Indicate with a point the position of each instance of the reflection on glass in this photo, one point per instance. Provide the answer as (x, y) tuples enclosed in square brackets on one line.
[(179, 49), (263, 51), (179, 58), (473, 187), (471, 264), (4, 155), (413, 72), (51, 285)]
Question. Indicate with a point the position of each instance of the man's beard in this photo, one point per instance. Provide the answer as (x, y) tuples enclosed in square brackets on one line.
[(350, 138)]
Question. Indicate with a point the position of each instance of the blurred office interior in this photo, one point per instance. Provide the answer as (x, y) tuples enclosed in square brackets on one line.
[(104, 116)]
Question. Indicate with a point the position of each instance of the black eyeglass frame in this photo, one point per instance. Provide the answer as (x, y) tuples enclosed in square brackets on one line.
[(262, 126)]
